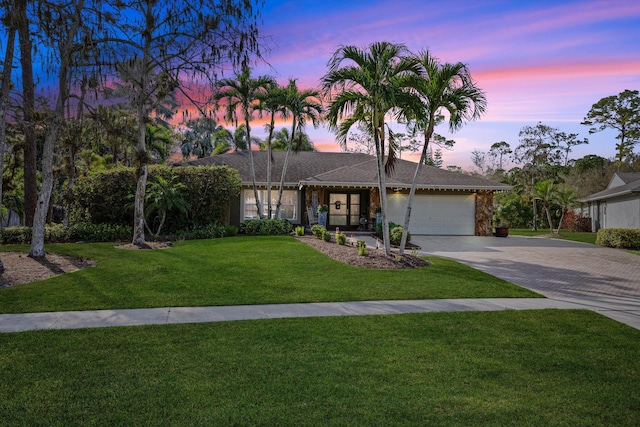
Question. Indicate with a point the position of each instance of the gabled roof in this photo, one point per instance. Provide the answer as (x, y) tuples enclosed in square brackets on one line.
[(344, 170), (621, 184), (628, 177)]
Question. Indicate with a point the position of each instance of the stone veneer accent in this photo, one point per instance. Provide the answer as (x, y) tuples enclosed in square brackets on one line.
[(484, 213)]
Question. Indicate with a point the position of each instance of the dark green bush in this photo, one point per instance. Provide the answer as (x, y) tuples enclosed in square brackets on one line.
[(266, 227), (106, 196), (16, 235), (210, 231), (622, 238), (57, 233), (326, 236), (88, 232), (231, 230)]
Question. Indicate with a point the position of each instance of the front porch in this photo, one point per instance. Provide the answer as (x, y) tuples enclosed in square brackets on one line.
[(349, 209)]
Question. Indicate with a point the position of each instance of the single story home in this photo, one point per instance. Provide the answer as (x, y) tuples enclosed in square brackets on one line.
[(618, 206), (446, 203)]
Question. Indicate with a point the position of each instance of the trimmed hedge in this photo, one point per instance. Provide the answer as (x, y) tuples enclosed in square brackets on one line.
[(266, 227), (106, 197), (58, 233), (622, 238)]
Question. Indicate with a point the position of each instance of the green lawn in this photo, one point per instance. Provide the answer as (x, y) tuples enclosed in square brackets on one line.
[(551, 367), (567, 235), (231, 271)]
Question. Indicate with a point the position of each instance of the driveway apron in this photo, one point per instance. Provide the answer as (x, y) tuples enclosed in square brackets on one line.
[(604, 279)]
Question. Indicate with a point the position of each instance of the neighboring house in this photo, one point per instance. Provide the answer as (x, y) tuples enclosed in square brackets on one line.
[(446, 203), (618, 206)]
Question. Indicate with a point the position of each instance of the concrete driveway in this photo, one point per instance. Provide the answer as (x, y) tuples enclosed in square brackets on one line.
[(604, 279)]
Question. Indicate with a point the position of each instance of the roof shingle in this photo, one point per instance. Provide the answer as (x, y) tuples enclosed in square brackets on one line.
[(343, 169)]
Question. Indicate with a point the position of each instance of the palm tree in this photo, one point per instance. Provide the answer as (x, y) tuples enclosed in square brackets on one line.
[(566, 198), (204, 137), (158, 139), (370, 86), (441, 87), (282, 137), (273, 103), (243, 93), (546, 191), (304, 106), (163, 196)]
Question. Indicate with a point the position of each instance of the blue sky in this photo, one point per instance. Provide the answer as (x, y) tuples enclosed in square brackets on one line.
[(545, 61)]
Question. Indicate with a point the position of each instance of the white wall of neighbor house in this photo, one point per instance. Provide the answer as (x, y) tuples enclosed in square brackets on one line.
[(623, 213), (435, 214)]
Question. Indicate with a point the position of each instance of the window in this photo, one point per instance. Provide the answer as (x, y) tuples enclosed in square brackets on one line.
[(288, 209)]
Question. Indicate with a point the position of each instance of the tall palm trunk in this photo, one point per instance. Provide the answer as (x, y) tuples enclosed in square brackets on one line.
[(253, 168), (378, 135), (285, 166), (423, 157), (28, 123), (269, 161)]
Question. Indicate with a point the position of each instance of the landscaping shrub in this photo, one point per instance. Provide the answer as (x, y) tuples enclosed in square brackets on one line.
[(210, 231), (266, 227), (341, 238), (317, 231), (231, 231), (58, 233), (394, 237), (88, 232), (299, 230), (576, 222), (326, 236), (106, 196), (362, 247), (16, 235), (622, 238)]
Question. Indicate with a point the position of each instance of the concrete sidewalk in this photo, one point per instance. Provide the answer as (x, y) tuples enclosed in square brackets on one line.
[(175, 315)]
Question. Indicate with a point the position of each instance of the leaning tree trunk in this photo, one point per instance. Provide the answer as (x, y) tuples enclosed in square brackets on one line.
[(42, 207), (378, 137), (253, 168), (284, 169), (414, 184), (269, 161), (548, 212)]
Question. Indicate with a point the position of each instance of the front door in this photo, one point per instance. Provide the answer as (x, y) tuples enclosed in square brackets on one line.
[(344, 210)]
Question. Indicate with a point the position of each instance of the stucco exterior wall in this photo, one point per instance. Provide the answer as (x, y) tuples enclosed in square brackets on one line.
[(623, 213)]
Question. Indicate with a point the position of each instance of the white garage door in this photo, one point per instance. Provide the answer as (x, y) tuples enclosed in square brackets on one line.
[(446, 215)]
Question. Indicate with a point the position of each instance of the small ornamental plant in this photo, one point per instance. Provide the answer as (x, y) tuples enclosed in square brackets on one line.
[(317, 231), (341, 238), (326, 236), (362, 247), (323, 208), (299, 230)]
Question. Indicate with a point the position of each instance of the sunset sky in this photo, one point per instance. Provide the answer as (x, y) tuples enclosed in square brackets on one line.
[(546, 61)]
